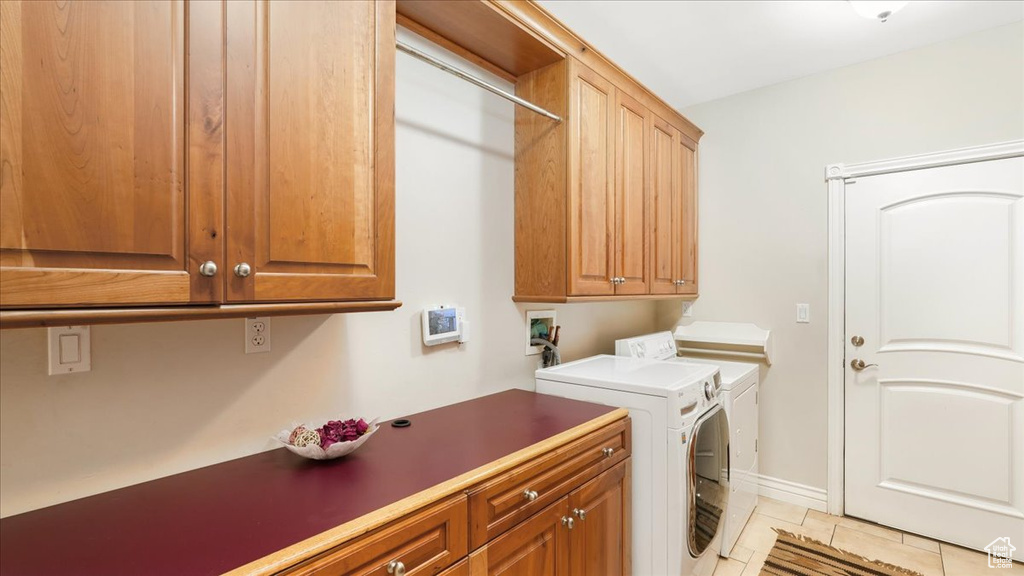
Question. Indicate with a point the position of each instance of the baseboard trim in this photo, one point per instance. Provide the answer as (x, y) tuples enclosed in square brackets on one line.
[(793, 493)]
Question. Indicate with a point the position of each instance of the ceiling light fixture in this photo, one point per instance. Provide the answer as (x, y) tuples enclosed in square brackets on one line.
[(876, 9)]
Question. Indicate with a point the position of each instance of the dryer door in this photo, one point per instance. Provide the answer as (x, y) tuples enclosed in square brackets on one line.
[(708, 479)]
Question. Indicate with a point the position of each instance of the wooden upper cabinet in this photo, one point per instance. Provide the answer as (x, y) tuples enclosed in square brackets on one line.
[(310, 106), (664, 208), (686, 202), (95, 141), (592, 206), (600, 541), (606, 199), (632, 165)]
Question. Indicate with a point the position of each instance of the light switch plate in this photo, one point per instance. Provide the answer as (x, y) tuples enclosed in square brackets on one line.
[(69, 349), (803, 313)]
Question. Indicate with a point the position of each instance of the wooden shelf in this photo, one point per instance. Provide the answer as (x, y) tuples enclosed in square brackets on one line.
[(79, 316), (608, 298)]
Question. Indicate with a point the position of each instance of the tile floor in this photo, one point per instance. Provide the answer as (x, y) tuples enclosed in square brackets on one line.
[(926, 556)]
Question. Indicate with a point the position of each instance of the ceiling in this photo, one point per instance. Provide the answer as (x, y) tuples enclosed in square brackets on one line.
[(694, 51)]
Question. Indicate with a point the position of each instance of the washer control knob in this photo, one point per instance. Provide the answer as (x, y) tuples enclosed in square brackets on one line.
[(709, 390)]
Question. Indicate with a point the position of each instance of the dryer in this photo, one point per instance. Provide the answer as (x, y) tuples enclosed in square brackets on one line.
[(680, 465), (739, 397)]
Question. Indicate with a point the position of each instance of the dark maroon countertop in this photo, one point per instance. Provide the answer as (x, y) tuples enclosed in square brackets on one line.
[(214, 519)]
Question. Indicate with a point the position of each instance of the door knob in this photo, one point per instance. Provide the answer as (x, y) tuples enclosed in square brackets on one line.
[(243, 269), (857, 364), (208, 268), (397, 568), (857, 341)]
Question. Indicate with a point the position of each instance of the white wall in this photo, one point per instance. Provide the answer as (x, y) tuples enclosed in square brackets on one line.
[(163, 398), (763, 218)]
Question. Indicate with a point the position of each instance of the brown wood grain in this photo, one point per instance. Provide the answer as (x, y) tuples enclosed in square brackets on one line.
[(480, 28), (537, 547), (664, 223), (540, 180), (460, 569), (206, 125), (591, 192), (70, 317), (419, 29), (687, 212), (498, 505), (315, 127), (92, 151), (425, 542), (632, 177), (597, 542)]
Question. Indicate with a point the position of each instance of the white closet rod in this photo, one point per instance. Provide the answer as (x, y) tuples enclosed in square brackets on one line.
[(474, 80)]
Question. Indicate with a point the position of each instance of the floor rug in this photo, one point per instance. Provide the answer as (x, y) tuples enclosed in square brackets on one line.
[(803, 556)]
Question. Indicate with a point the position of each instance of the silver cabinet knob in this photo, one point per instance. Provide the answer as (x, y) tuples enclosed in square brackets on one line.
[(397, 568), (608, 452), (857, 364), (530, 495), (680, 282), (567, 521), (580, 513), (208, 268), (243, 270)]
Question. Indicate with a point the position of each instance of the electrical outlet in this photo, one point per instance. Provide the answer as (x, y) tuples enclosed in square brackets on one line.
[(257, 335), (687, 309)]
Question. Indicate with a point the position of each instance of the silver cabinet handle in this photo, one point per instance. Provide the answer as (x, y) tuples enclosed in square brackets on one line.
[(208, 268), (243, 270), (857, 364), (580, 513), (397, 568), (567, 521), (608, 452), (530, 495)]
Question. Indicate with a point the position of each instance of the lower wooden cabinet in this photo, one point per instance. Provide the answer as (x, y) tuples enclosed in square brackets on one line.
[(537, 547), (586, 533), (599, 542), (422, 544), (579, 527)]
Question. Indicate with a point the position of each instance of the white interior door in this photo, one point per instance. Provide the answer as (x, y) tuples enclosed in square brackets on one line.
[(935, 287)]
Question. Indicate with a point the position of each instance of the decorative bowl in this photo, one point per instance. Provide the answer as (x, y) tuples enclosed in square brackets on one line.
[(335, 450)]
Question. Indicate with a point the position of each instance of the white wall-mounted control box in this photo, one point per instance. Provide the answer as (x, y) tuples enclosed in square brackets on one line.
[(444, 324)]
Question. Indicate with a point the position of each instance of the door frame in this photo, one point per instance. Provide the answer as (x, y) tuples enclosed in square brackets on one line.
[(837, 177)]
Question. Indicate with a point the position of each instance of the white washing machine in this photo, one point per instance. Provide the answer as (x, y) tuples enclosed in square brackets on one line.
[(680, 465), (739, 398)]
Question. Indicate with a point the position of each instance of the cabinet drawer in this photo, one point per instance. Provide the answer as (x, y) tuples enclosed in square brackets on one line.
[(426, 543), (505, 501)]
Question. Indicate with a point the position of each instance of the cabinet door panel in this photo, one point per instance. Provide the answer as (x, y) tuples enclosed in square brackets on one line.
[(686, 260), (632, 123), (536, 547), (313, 93), (600, 541), (93, 151), (664, 220), (591, 184)]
